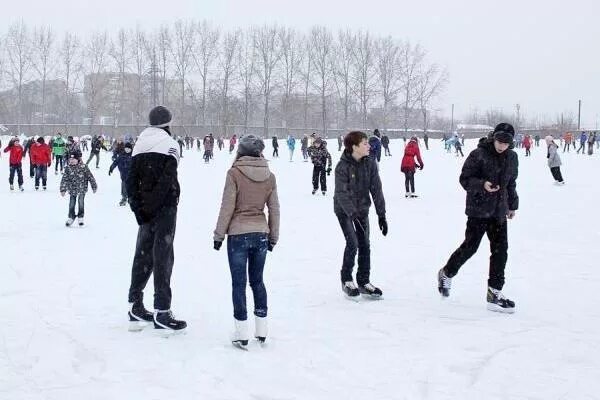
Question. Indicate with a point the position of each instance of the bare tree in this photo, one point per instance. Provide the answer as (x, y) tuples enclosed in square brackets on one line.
[(120, 53), (342, 67), (247, 72), (388, 53), (411, 58), (70, 59), (363, 71), (19, 57), (164, 46), (291, 59), (268, 54), (96, 79), (227, 65), (307, 68), (204, 55), (321, 43), (43, 40), (430, 83), (139, 47), (183, 35)]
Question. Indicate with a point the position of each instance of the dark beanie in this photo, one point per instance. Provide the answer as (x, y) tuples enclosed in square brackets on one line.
[(40, 140), (504, 133), (76, 154), (250, 145), (128, 145), (160, 117), (376, 133)]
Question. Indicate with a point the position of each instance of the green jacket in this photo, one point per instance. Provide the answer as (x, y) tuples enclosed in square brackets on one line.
[(59, 147)]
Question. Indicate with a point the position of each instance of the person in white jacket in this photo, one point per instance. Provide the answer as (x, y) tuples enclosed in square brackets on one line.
[(554, 160)]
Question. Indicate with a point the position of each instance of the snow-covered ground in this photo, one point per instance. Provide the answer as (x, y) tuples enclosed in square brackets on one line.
[(63, 294)]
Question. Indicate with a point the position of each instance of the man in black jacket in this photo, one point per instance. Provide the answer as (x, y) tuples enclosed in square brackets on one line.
[(489, 176), (97, 145), (356, 179), (153, 191)]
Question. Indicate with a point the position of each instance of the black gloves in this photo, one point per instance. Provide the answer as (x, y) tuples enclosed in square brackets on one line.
[(383, 226), (270, 246), (421, 167), (329, 171), (217, 244)]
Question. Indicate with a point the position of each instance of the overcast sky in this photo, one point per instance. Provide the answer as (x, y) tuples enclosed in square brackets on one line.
[(544, 55)]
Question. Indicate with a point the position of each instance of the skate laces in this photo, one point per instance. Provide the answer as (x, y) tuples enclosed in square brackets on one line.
[(369, 287), (350, 285), (446, 282), (498, 294)]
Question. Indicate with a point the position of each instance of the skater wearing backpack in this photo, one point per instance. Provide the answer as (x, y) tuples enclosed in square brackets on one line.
[(249, 186), (15, 163), (554, 162), (356, 181), (408, 166), (321, 159), (123, 162), (489, 177), (75, 181)]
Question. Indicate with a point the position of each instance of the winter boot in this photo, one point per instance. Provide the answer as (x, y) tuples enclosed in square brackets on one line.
[(370, 291), (21, 188), (80, 221), (260, 328), (44, 187), (314, 191), (350, 290), (139, 317), (239, 337), (413, 195), (12, 187), (497, 302), (324, 192), (166, 324), (407, 195), (444, 283), (69, 222), (37, 188)]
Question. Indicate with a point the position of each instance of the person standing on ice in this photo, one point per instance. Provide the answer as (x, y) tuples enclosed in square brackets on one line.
[(275, 143), (554, 162), (59, 148), (153, 190), (527, 145), (249, 186), (15, 163), (375, 146), (75, 180), (232, 143), (385, 142), (123, 162), (356, 181), (291, 143), (41, 157), (321, 160), (304, 148), (489, 176), (408, 166), (582, 142)]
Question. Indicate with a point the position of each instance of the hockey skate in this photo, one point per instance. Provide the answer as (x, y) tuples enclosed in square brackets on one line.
[(166, 325), (444, 283), (12, 188), (314, 191), (69, 222), (371, 292), (139, 317), (498, 303), (350, 290), (80, 221)]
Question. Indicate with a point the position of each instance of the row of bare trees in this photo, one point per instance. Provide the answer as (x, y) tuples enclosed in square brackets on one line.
[(262, 76)]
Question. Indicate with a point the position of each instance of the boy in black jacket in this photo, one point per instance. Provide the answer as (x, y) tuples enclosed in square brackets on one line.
[(489, 176), (153, 192)]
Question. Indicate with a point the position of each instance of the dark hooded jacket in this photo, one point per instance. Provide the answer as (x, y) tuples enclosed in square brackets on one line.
[(486, 164), (355, 182)]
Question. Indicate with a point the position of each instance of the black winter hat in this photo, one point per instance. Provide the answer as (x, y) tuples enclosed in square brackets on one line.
[(251, 145), (160, 117), (76, 154), (376, 133), (128, 145), (504, 133), (40, 140)]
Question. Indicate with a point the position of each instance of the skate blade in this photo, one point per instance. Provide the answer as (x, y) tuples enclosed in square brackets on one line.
[(371, 296), (137, 326), (238, 344), (167, 333), (355, 299), (496, 308)]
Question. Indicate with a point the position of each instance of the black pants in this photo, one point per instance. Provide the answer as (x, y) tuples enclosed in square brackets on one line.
[(319, 176), (426, 144), (41, 173), (92, 155), (357, 240), (555, 171), (31, 170), (567, 147), (527, 152), (59, 161), (409, 181), (123, 190), (497, 235), (11, 177), (582, 148), (80, 200), (387, 150), (276, 152), (154, 254)]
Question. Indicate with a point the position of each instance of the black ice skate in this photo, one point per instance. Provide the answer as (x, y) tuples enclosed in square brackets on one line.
[(497, 302), (324, 192), (21, 188), (314, 191), (444, 283), (12, 187), (370, 291), (139, 317), (69, 222), (166, 324), (123, 202), (350, 290)]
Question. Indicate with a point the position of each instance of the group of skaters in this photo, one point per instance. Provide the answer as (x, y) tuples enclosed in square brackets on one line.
[(588, 139)]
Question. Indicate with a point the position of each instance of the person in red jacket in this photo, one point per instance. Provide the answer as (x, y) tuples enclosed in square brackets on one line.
[(14, 162), (527, 145), (41, 159), (409, 166)]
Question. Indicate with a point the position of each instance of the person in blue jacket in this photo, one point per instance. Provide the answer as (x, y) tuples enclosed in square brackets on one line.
[(375, 145), (123, 162), (582, 140), (291, 143)]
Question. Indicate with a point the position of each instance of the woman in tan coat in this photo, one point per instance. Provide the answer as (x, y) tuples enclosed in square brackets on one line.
[(249, 186)]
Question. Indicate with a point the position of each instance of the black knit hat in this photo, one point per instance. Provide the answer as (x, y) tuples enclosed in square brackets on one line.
[(160, 117), (504, 133), (251, 145), (40, 140), (76, 154)]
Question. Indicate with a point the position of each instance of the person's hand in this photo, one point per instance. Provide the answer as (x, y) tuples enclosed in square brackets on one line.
[(511, 214), (490, 188), (383, 226), (421, 167), (62, 194), (217, 244), (329, 171), (270, 246)]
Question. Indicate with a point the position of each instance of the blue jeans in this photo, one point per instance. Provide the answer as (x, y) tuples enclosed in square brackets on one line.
[(41, 172), (247, 250), (80, 200)]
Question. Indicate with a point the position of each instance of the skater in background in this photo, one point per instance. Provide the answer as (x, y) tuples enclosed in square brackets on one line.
[(304, 147), (275, 143), (15, 159), (41, 157), (537, 140), (582, 142), (426, 141), (249, 186), (198, 143), (375, 146), (385, 142), (590, 143), (356, 181), (123, 162), (458, 145), (180, 143), (97, 145), (59, 148), (291, 144), (28, 143), (321, 160), (75, 181), (72, 146), (209, 143), (232, 143), (221, 143), (153, 190), (527, 145), (489, 176), (340, 141), (408, 166), (568, 141), (554, 162)]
